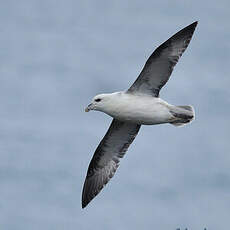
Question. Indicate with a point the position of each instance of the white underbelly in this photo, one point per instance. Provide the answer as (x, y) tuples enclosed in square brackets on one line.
[(151, 112)]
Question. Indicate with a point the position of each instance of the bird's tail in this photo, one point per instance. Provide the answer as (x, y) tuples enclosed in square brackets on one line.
[(183, 115)]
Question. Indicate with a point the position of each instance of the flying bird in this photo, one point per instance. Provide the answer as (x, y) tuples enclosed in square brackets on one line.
[(139, 105)]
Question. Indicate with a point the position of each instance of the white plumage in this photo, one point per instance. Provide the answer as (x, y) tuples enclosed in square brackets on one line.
[(139, 105), (140, 109)]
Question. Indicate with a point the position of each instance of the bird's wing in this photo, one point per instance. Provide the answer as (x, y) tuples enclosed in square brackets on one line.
[(160, 64), (107, 156)]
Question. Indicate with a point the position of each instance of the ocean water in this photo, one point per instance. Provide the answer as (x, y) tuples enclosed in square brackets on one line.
[(55, 56)]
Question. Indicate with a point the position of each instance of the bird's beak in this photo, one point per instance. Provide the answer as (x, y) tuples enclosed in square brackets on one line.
[(88, 108)]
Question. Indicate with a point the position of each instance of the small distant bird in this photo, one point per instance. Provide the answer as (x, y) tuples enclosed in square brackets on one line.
[(139, 105)]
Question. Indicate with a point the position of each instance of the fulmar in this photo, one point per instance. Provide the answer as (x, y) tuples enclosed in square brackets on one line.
[(139, 105)]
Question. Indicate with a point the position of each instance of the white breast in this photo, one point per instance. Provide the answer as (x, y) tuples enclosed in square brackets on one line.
[(139, 109)]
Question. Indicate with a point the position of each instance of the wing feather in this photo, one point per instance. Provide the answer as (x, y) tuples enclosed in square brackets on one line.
[(106, 158), (160, 64)]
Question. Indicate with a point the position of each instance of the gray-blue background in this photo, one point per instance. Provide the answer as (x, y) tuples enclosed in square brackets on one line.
[(54, 57)]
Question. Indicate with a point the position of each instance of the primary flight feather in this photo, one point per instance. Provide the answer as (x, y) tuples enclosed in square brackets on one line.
[(139, 105)]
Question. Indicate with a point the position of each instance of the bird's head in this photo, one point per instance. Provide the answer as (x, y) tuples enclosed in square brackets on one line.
[(101, 102)]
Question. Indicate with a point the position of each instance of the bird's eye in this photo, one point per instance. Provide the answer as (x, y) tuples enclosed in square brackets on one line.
[(97, 100)]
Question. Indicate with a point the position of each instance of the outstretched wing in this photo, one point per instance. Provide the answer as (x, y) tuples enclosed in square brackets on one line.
[(160, 64), (107, 156)]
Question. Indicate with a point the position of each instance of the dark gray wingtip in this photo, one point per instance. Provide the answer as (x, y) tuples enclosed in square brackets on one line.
[(187, 30), (83, 205), (85, 199), (193, 25), (88, 196), (190, 27)]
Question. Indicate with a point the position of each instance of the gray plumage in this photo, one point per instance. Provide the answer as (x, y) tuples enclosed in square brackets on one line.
[(123, 106), (160, 64), (107, 156)]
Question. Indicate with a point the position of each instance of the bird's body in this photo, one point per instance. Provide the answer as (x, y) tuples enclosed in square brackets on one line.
[(139, 109), (139, 105)]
